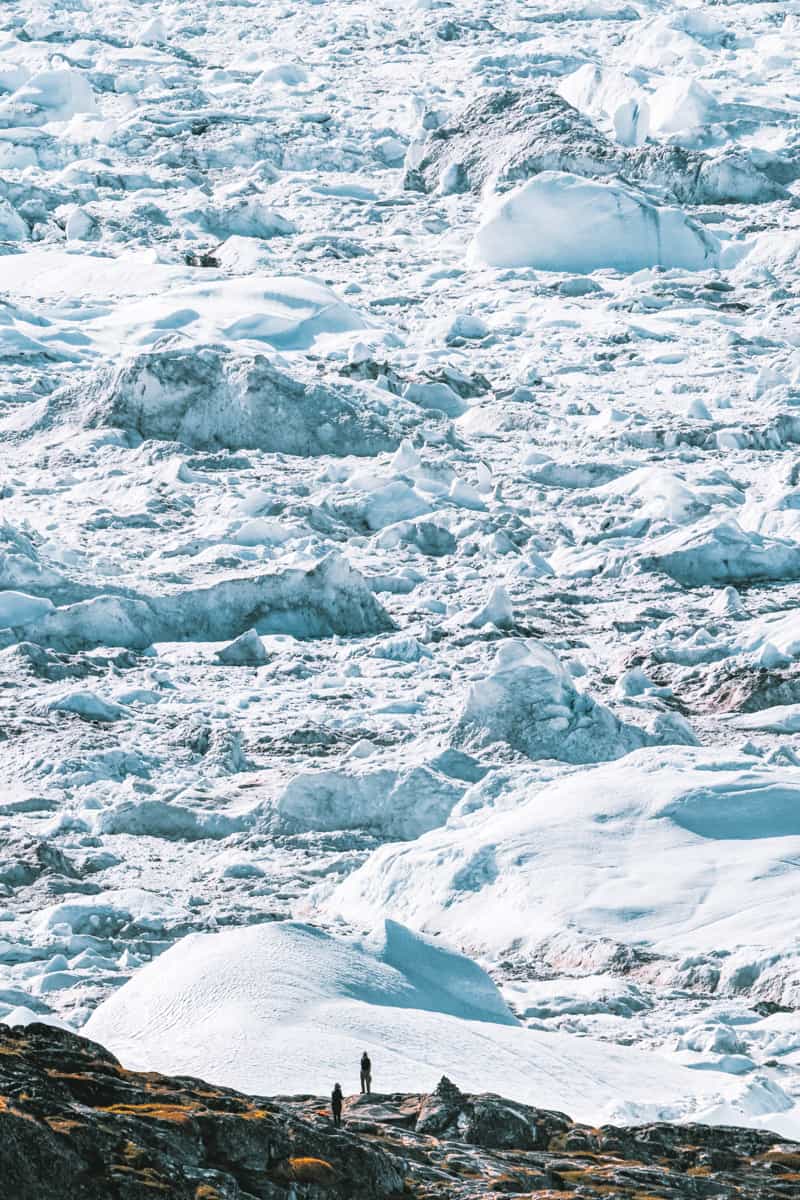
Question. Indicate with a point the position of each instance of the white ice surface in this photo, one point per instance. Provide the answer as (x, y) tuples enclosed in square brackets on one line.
[(315, 402), (678, 849), (561, 222)]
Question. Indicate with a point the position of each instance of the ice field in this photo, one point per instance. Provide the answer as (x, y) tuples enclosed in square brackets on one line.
[(400, 544)]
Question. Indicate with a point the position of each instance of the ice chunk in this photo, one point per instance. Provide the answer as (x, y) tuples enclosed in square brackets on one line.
[(208, 397), (561, 222), (12, 226), (157, 818), (246, 216), (714, 553), (319, 600), (610, 94), (402, 649), (105, 914), (393, 804), (22, 1016), (152, 32), (56, 94), (329, 597), (438, 396), (728, 603), (529, 701), (658, 495), (498, 610), (87, 705), (289, 73), (245, 651), (681, 105), (101, 621), (659, 43), (511, 134), (17, 608), (780, 718)]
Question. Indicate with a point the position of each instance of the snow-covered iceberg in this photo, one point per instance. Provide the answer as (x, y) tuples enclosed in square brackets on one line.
[(562, 222), (713, 553), (208, 397), (319, 600)]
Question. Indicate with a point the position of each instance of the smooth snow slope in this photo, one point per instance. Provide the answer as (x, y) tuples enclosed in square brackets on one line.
[(680, 850), (285, 1008)]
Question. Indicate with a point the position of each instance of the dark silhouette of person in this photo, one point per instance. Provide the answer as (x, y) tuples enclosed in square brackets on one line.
[(366, 1073), (336, 1104)]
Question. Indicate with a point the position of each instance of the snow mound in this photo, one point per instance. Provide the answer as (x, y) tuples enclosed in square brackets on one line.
[(209, 397), (286, 312), (51, 95), (681, 849), (285, 1008), (530, 702), (562, 222), (713, 554)]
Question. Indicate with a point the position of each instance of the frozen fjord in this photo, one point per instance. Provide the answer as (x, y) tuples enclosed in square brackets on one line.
[(400, 487)]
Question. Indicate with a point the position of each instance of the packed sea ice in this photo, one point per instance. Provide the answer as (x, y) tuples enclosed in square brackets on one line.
[(400, 544)]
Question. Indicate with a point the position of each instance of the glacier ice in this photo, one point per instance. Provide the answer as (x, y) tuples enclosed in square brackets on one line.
[(398, 472)]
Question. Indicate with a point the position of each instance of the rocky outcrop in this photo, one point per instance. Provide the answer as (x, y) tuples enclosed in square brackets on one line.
[(75, 1125)]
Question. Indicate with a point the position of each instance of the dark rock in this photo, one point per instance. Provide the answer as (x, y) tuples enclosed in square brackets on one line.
[(75, 1125), (441, 1109), (498, 1124)]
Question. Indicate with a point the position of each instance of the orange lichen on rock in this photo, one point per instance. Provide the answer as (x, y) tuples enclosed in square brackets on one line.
[(178, 1113), (312, 1170)]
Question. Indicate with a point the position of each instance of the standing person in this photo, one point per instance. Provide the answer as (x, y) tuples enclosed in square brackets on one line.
[(336, 1104), (366, 1073)]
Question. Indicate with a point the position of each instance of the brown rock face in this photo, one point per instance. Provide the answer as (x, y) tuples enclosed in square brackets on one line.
[(75, 1125)]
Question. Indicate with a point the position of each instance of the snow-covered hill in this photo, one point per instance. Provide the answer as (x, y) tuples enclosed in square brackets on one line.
[(281, 1006)]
